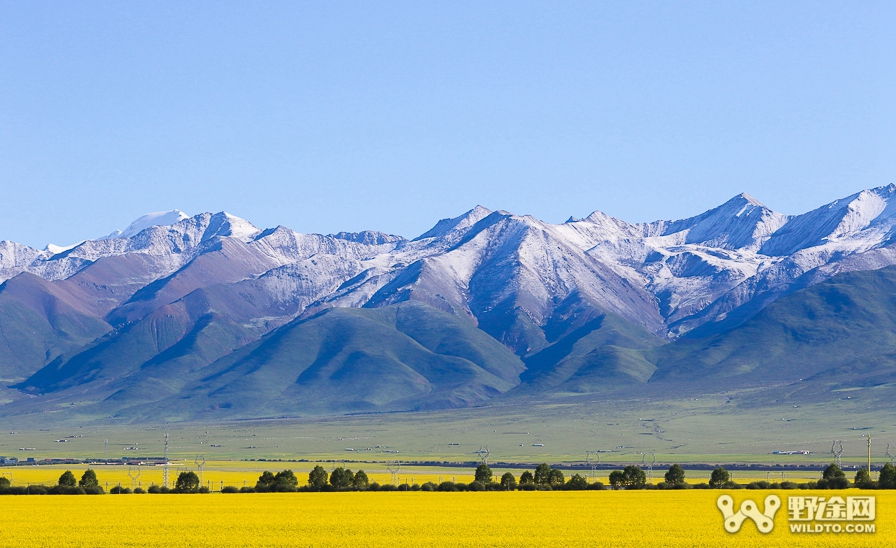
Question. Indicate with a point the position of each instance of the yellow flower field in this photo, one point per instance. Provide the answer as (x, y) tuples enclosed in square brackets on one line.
[(217, 474), (592, 518), (239, 473)]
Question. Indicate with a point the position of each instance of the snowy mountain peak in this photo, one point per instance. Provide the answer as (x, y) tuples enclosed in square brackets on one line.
[(461, 222), (687, 271), (740, 223), (368, 237), (866, 218), (743, 196), (57, 249), (738, 205), (225, 224), (159, 218)]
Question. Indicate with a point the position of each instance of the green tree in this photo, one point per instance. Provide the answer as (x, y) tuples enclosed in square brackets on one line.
[(88, 479), (341, 478), (675, 475), (526, 477), (317, 478), (863, 478), (617, 478), (285, 481), (67, 479), (4, 483), (719, 477), (887, 477), (508, 481), (265, 482), (577, 482), (832, 471), (360, 480), (543, 474), (187, 482), (833, 478), (633, 476), (483, 474), (556, 478)]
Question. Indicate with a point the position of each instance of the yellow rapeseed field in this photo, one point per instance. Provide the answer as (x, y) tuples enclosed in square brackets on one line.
[(568, 519), (221, 473), (239, 473)]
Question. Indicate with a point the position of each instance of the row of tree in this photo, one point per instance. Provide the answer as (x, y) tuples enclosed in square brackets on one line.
[(343, 479), (68, 484), (833, 477), (544, 477)]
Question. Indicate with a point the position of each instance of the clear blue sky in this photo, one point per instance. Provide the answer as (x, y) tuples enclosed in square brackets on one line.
[(329, 116)]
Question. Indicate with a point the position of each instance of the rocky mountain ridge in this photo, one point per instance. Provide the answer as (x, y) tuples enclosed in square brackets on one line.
[(177, 296)]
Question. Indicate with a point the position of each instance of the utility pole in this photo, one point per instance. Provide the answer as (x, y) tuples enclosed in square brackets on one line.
[(869, 454), (165, 464)]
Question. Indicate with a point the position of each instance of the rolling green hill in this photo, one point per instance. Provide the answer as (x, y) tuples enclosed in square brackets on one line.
[(195, 359), (402, 356), (38, 323), (599, 355), (839, 331), (408, 355)]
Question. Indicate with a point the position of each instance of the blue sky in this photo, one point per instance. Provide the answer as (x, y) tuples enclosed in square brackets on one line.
[(329, 116)]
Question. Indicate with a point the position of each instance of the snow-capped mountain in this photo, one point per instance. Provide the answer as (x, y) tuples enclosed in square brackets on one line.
[(667, 276), (159, 218), (183, 291)]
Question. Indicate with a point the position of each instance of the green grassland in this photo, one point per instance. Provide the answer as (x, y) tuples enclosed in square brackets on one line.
[(733, 427)]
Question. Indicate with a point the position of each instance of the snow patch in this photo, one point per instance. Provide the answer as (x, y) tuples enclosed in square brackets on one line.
[(57, 249), (158, 218)]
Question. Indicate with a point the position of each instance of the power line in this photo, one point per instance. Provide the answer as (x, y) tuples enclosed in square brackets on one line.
[(200, 462), (650, 466), (134, 474), (589, 460), (837, 451), (394, 467)]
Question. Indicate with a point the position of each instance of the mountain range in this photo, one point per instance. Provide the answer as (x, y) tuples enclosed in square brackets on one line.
[(208, 316)]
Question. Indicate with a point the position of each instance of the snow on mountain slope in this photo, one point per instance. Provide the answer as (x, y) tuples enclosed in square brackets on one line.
[(456, 224), (702, 268), (857, 223), (740, 223), (15, 258), (173, 246), (841, 236), (304, 282), (685, 264), (159, 218), (147, 306), (57, 249), (498, 269), (368, 237)]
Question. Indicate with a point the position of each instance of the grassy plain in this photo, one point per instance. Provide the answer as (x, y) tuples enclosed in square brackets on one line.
[(568, 519), (726, 427)]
